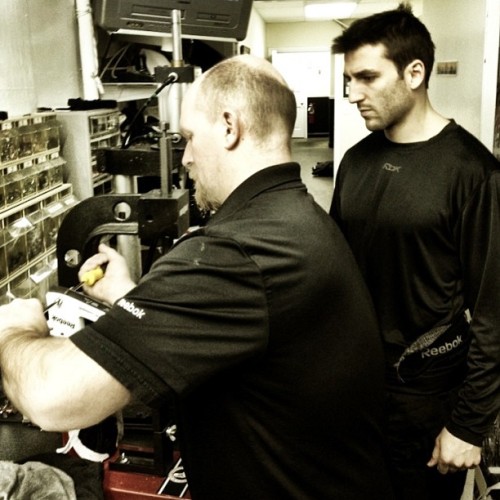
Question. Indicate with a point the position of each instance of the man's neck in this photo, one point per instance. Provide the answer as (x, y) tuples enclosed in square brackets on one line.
[(421, 124), (250, 158)]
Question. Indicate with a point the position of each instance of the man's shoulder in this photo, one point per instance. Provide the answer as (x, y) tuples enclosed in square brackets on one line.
[(468, 152), (361, 153), (374, 141), (376, 137)]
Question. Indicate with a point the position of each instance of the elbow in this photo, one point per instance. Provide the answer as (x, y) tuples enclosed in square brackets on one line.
[(49, 411), (44, 414), (78, 411), (47, 422)]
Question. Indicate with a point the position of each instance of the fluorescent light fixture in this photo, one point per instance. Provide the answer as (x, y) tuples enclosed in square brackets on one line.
[(330, 10)]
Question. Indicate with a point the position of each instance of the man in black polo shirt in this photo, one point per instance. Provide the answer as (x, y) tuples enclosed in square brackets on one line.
[(258, 324)]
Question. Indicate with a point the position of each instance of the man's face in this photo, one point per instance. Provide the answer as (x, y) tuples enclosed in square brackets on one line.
[(202, 153), (382, 96)]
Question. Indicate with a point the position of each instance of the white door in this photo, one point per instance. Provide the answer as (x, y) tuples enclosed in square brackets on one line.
[(308, 75), (300, 129)]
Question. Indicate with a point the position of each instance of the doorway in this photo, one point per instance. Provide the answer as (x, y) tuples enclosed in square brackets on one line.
[(308, 73)]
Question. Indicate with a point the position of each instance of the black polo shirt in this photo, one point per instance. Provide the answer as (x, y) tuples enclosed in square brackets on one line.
[(261, 327)]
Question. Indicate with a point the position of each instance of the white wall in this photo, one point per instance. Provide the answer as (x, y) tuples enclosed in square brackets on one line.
[(256, 35), (40, 63), (301, 35), (17, 88), (490, 104), (457, 28)]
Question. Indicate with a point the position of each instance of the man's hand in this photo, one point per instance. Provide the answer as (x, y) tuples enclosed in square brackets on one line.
[(24, 315), (451, 453), (116, 281)]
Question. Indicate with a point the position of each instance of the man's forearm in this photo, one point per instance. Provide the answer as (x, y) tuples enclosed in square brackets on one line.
[(55, 385), (52, 382), (24, 369)]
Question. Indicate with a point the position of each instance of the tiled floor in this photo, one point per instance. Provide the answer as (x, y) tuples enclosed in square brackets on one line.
[(308, 152)]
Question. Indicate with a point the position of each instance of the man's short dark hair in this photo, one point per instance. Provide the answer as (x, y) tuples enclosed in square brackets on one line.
[(404, 36)]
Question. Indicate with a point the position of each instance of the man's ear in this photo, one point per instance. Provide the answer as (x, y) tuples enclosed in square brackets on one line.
[(232, 128), (415, 74)]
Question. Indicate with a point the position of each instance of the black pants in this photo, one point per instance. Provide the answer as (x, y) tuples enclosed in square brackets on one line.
[(413, 423), (420, 399)]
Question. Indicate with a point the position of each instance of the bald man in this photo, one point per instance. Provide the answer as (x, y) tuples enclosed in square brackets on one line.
[(257, 325)]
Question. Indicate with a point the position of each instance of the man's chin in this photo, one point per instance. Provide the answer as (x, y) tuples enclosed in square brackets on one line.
[(373, 125), (203, 204)]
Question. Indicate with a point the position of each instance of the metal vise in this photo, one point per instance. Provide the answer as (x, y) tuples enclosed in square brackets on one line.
[(157, 214)]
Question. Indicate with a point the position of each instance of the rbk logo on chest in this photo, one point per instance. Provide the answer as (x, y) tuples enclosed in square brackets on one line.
[(391, 168)]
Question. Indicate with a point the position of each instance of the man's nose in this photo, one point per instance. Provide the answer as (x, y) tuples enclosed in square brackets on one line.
[(187, 157), (355, 93)]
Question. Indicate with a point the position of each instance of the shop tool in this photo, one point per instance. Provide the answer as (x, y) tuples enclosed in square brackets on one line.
[(69, 311)]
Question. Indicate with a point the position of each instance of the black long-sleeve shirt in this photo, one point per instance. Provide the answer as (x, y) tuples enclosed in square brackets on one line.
[(423, 220)]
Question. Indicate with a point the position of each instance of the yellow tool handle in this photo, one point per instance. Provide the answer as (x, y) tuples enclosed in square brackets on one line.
[(88, 278), (91, 277)]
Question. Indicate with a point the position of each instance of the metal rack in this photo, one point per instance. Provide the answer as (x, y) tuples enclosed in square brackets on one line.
[(33, 200), (82, 132)]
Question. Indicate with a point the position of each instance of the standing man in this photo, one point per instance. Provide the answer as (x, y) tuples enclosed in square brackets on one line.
[(419, 202), (257, 324)]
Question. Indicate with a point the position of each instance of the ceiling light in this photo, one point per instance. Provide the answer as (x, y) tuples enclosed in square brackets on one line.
[(331, 10)]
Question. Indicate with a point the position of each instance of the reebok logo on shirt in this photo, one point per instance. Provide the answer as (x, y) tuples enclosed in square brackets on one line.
[(130, 307), (391, 168), (442, 349)]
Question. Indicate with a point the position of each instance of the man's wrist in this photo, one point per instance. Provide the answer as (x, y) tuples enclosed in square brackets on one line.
[(465, 434)]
